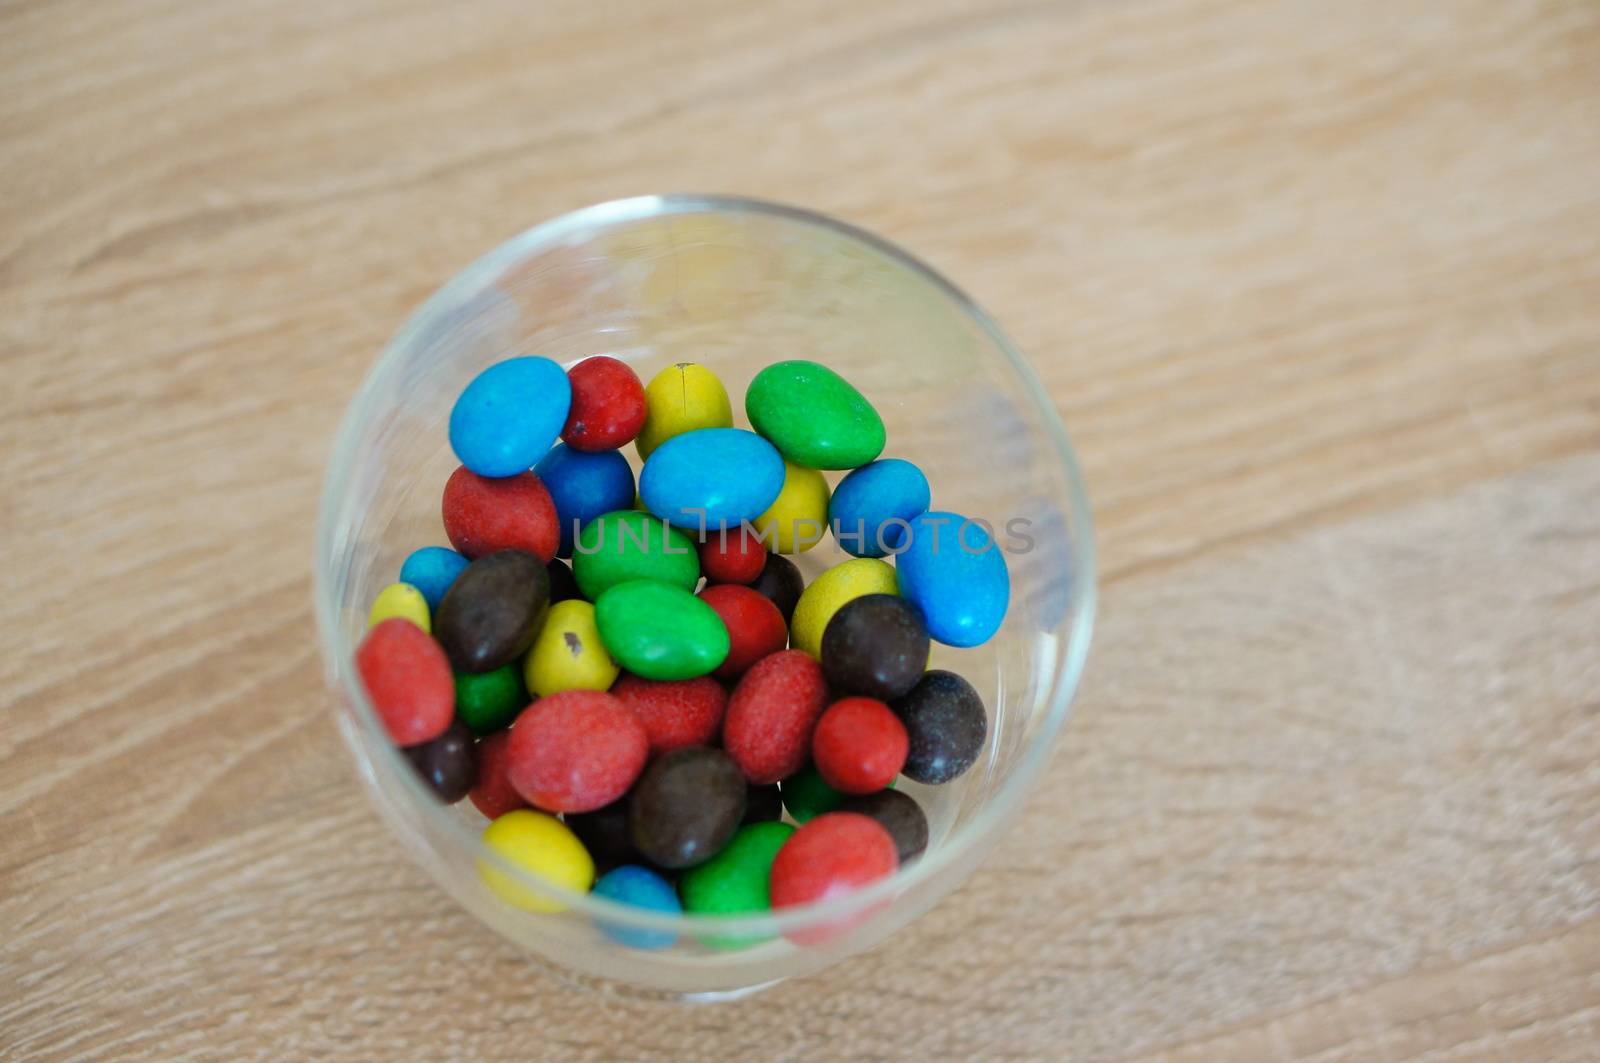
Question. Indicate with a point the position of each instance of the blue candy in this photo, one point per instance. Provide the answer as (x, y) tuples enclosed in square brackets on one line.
[(642, 888), (887, 490), (431, 570), (955, 572), (509, 415), (720, 476), (583, 485)]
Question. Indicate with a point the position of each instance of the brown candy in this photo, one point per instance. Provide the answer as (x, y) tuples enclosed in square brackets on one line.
[(493, 610), (686, 806)]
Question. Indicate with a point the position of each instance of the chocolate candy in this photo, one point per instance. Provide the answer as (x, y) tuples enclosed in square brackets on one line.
[(408, 680), (859, 745), (493, 610), (806, 795), (876, 646), (828, 593), (946, 724), (563, 585), (898, 814), (762, 803), (489, 701), (755, 627), (781, 583), (448, 763), (431, 570), (607, 405), (575, 751), (482, 516), (604, 832), (492, 793), (771, 713), (676, 712), (686, 806)]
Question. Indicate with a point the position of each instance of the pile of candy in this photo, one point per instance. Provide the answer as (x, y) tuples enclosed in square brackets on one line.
[(617, 716)]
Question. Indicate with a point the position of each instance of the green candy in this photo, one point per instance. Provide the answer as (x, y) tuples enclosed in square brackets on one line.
[(660, 631), (814, 416), (734, 882), (489, 701), (806, 796), (628, 545)]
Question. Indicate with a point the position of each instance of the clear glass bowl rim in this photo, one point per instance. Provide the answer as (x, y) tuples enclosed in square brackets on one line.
[(338, 648)]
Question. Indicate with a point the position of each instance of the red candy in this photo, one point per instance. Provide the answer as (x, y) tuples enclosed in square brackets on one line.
[(409, 681), (859, 745), (575, 751), (493, 794), (829, 856), (675, 713), (607, 405), (732, 557), (770, 716), (755, 627), (515, 513)]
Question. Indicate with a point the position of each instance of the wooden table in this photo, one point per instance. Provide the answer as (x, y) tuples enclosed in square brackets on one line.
[(1316, 287)]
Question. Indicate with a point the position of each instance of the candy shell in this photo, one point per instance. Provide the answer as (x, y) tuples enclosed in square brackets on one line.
[(538, 845), (679, 399), (872, 506), (568, 653), (829, 592), (814, 416), (584, 485), (711, 478), (660, 631), (400, 600), (509, 415), (955, 572), (628, 545), (638, 887), (408, 680), (431, 570), (608, 406), (797, 520)]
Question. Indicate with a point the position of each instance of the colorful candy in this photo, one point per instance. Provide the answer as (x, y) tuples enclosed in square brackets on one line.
[(575, 751), (814, 416), (755, 627), (492, 612), (806, 795), (604, 832), (660, 631), (608, 406), (675, 713), (628, 545), (735, 881), (771, 714), (733, 555), (954, 571), (875, 645), (832, 855), (945, 724), (687, 805), (568, 653), (859, 745), (492, 792), (711, 478), (431, 570), (679, 399), (509, 415), (638, 887), (515, 513), (874, 505), (400, 600), (584, 485), (539, 845), (829, 592), (408, 680), (797, 519), (898, 814), (780, 582), (448, 763)]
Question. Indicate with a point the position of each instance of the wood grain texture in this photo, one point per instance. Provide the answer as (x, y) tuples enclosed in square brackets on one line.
[(1315, 286)]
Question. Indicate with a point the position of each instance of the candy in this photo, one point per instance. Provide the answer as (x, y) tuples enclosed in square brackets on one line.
[(509, 415), (780, 582), (859, 745), (491, 613), (875, 645), (493, 794), (734, 882), (767, 729), (641, 888), (568, 653), (955, 572), (408, 680), (482, 516), (762, 803), (660, 631), (898, 814), (797, 519), (431, 570), (607, 405), (679, 399), (833, 855), (806, 795), (946, 724), (447, 763), (604, 832), (584, 485), (732, 555), (814, 416), (829, 592), (675, 713), (873, 505), (628, 545), (488, 701), (538, 845), (575, 751), (563, 584), (687, 805), (711, 478), (399, 600), (755, 627)]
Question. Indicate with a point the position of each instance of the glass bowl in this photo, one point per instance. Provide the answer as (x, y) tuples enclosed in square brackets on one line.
[(734, 284)]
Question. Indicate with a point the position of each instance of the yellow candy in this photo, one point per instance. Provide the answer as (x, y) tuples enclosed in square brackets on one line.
[(402, 600), (568, 654), (829, 592), (798, 518), (541, 845), (681, 398)]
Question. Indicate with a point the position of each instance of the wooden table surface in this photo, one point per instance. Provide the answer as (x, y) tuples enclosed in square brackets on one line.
[(1315, 286)]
